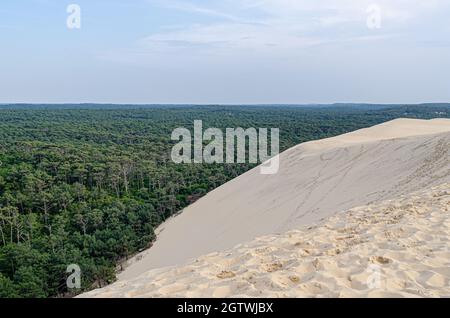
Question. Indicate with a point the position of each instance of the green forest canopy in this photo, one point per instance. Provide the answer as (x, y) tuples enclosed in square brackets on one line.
[(88, 184)]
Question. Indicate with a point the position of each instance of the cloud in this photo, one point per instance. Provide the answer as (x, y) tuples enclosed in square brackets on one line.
[(277, 28), (186, 6)]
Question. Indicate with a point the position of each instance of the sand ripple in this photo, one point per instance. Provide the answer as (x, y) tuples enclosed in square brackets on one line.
[(397, 248)]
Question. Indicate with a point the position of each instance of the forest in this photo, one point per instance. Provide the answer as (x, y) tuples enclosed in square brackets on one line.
[(89, 184)]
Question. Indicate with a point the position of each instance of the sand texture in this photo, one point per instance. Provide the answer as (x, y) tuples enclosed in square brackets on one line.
[(396, 248), (316, 180), (365, 214)]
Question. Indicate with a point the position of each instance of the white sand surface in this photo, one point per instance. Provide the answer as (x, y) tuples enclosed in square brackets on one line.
[(316, 180), (395, 248)]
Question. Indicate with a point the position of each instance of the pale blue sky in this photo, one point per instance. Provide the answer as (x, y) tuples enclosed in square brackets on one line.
[(229, 51)]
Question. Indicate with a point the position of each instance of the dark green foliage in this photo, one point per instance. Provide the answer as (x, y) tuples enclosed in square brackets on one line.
[(88, 184)]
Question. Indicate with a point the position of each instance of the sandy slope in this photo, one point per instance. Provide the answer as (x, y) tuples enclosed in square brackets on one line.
[(395, 248), (316, 180)]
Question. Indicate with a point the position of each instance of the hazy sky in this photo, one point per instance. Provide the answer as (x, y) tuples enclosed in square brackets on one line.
[(229, 51)]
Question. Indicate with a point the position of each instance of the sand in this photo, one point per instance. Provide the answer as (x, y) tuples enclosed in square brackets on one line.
[(316, 180), (394, 248)]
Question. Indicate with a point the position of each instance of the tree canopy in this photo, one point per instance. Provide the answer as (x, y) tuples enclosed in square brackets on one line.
[(89, 184)]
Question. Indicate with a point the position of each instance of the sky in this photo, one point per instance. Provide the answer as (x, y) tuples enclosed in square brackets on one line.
[(224, 51)]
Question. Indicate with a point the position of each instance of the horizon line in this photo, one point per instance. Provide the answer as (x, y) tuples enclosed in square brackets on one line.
[(221, 104)]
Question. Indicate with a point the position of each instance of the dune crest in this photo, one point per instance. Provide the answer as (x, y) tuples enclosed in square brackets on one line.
[(316, 180), (396, 248), (397, 128)]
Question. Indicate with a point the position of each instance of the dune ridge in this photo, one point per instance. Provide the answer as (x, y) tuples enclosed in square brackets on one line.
[(395, 248), (394, 129), (316, 180)]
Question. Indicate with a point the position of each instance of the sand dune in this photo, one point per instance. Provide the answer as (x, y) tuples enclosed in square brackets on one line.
[(316, 180), (396, 248)]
